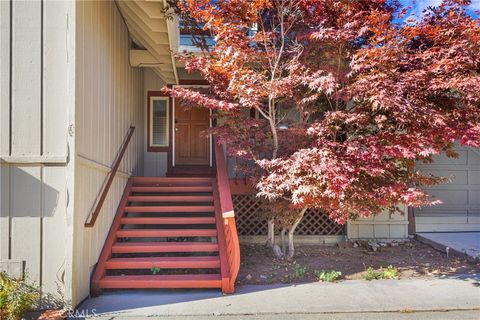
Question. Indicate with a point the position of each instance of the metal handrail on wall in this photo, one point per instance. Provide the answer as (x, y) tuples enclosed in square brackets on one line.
[(92, 217)]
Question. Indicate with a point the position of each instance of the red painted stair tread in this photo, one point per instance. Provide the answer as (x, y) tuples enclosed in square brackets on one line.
[(175, 220), (148, 233), (161, 281), (177, 189), (200, 262), (170, 198), (169, 209), (146, 247)]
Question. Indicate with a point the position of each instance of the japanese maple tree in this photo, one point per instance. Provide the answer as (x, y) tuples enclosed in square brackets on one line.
[(348, 97)]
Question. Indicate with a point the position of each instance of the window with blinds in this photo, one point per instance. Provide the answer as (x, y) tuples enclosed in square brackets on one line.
[(159, 121)]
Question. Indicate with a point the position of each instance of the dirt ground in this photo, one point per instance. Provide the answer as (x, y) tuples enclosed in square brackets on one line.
[(413, 259)]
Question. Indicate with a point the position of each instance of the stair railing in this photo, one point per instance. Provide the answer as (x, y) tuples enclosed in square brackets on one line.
[(227, 215), (92, 217)]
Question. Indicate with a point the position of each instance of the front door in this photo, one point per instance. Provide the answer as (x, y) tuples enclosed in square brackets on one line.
[(190, 147)]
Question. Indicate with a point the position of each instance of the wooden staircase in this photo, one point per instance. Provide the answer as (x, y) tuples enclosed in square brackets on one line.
[(170, 232)]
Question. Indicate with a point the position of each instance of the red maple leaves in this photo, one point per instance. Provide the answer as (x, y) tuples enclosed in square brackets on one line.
[(371, 96)]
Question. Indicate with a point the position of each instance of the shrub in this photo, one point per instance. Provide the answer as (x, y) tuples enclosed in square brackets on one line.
[(299, 271), (328, 275), (16, 297), (389, 273)]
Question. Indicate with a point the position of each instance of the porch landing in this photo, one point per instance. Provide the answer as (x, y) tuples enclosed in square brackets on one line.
[(191, 171)]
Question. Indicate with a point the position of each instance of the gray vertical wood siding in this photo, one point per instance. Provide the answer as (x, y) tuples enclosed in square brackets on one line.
[(34, 81), (34, 106), (109, 99), (65, 78)]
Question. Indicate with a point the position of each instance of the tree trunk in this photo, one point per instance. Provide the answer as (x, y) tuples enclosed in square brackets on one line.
[(275, 140), (271, 120), (284, 240), (271, 233), (277, 252), (291, 247), (291, 232)]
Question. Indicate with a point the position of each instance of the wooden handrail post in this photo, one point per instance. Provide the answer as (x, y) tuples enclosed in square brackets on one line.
[(92, 217), (223, 181), (229, 230)]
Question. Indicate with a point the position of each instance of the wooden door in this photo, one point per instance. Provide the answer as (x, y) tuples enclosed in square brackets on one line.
[(190, 147)]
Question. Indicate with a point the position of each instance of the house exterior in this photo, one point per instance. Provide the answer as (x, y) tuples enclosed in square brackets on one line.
[(81, 113)]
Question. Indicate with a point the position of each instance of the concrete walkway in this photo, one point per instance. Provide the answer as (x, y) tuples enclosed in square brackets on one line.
[(429, 315), (462, 243), (354, 296)]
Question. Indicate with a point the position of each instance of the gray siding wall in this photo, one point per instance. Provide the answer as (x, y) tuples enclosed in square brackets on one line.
[(460, 210), (382, 226), (155, 162), (36, 102), (109, 99), (34, 81)]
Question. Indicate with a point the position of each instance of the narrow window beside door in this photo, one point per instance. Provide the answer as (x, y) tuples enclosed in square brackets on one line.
[(158, 123)]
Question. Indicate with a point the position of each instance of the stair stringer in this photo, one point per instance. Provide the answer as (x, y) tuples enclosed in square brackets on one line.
[(106, 253)]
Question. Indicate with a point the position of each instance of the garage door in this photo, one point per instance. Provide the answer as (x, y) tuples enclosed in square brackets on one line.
[(460, 210)]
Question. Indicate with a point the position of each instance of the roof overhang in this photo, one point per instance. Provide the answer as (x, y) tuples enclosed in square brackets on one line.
[(155, 33)]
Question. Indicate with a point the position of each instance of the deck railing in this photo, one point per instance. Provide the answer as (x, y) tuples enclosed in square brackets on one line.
[(92, 217), (229, 246)]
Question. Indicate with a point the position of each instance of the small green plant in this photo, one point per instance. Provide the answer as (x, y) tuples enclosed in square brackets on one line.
[(155, 270), (16, 297), (390, 273), (299, 271), (328, 275), (371, 274)]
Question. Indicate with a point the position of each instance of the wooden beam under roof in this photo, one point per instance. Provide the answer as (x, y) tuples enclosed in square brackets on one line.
[(161, 53), (153, 9), (142, 58), (156, 36), (168, 78), (156, 25), (159, 35)]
